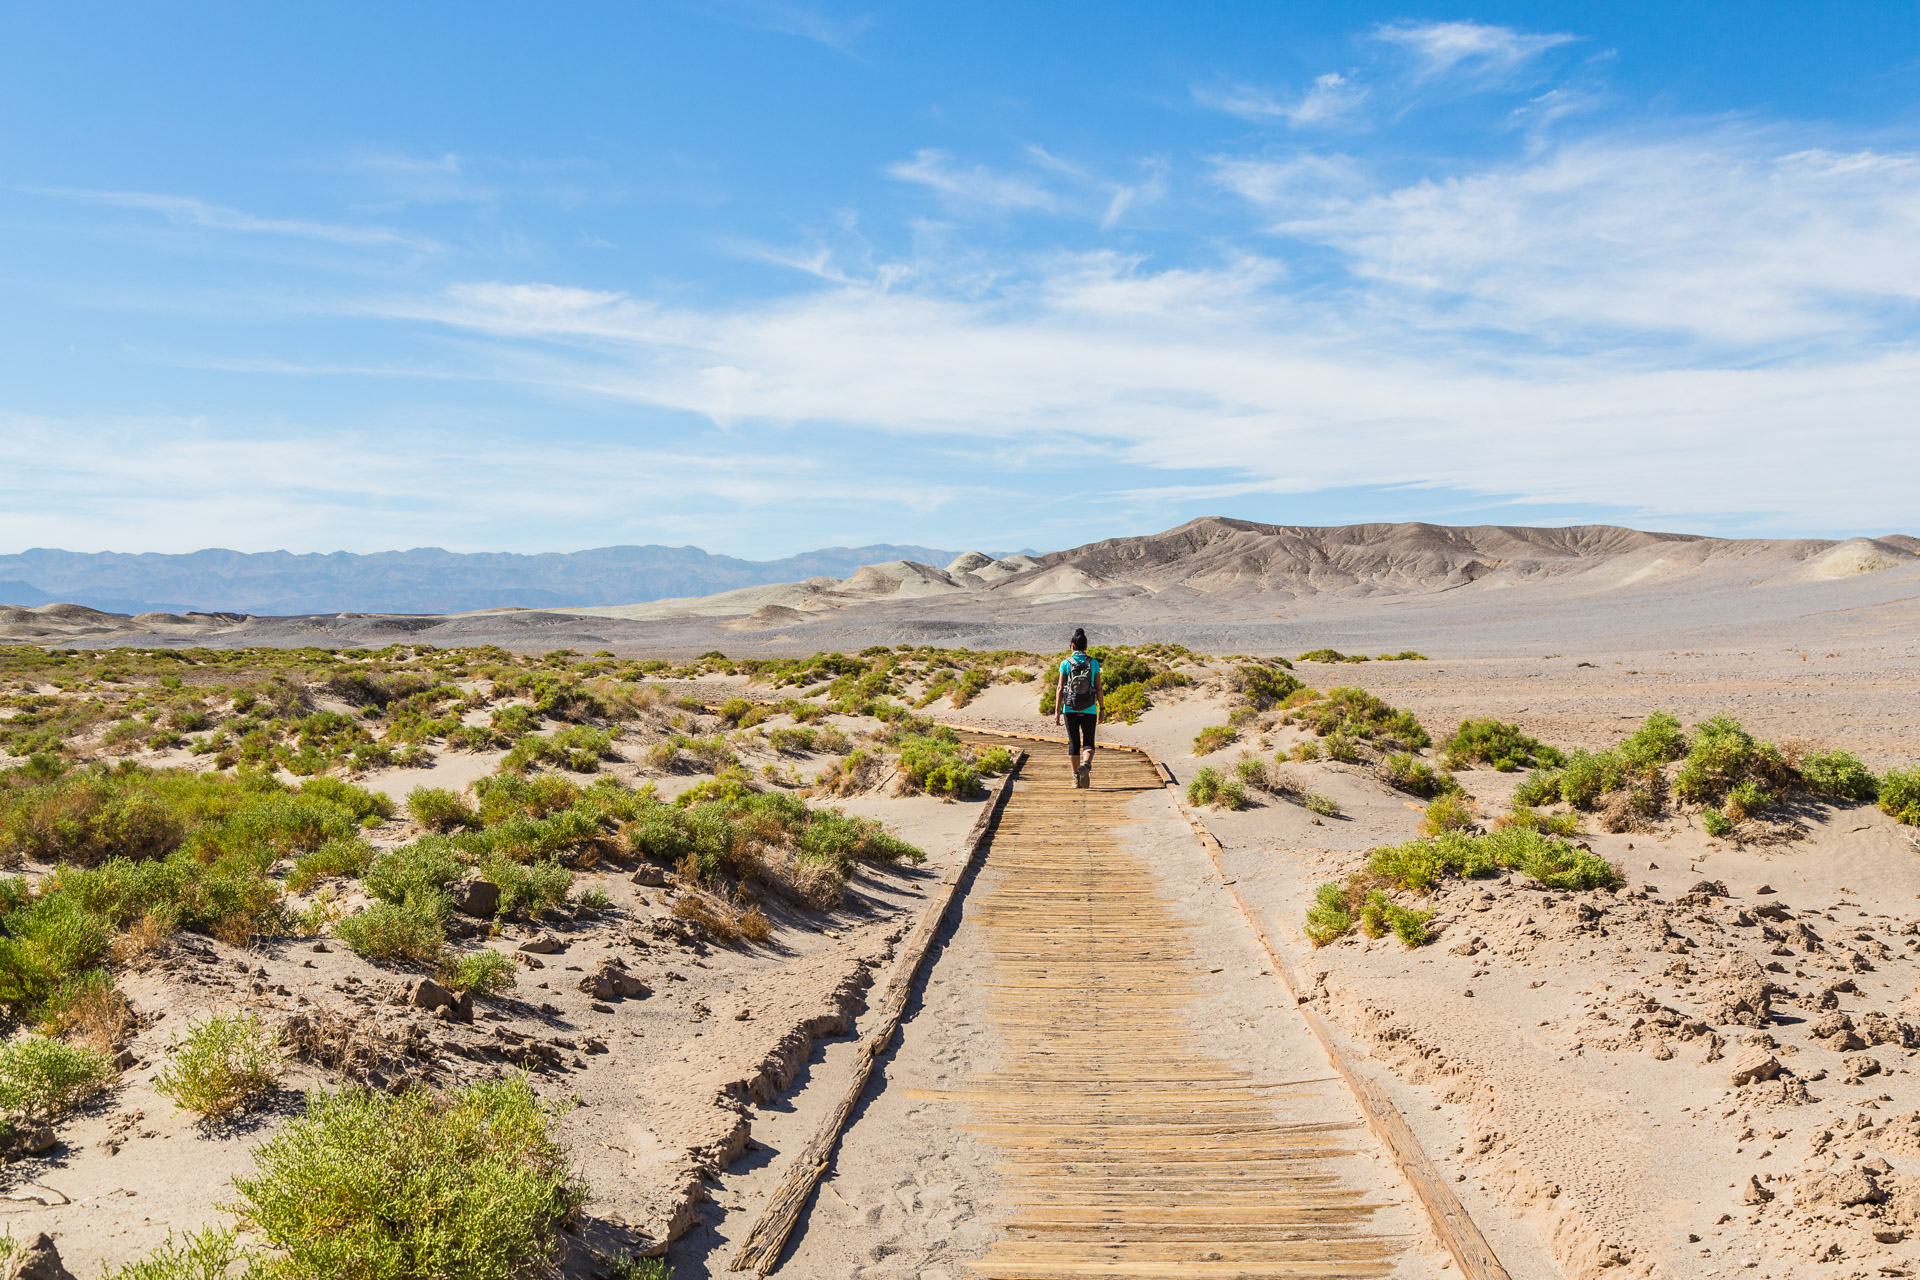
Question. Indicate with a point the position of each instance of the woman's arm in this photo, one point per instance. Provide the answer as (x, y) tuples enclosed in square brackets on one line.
[(1059, 695)]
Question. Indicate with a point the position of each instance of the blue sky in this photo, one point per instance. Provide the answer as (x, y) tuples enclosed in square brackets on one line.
[(763, 277)]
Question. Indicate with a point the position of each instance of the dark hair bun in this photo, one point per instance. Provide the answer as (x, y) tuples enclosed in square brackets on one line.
[(1079, 638)]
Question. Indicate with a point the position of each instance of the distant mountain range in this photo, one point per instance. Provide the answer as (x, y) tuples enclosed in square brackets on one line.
[(424, 580)]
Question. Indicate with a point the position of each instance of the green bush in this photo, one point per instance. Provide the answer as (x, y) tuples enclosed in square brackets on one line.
[(1716, 822), (46, 1078), (1539, 787), (1263, 686), (1325, 806), (205, 1255), (1126, 704), (1496, 743), (439, 809), (1210, 787), (1448, 813), (226, 1065), (386, 932), (1553, 824), (1379, 914), (416, 875), (1900, 795), (1328, 918), (483, 973), (1839, 773), (1214, 737), (530, 886), (335, 858), (994, 760), (358, 801), (1723, 755), (938, 766), (1417, 777), (1330, 655), (1419, 864), (1357, 713), (472, 1183)]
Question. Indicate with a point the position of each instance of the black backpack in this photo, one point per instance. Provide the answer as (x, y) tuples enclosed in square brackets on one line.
[(1079, 690)]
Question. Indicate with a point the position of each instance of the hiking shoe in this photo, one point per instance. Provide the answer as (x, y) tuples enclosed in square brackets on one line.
[(1083, 776)]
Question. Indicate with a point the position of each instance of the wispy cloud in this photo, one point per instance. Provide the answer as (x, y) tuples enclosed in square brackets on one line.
[(978, 185), (1467, 48), (184, 211), (1330, 97), (793, 20)]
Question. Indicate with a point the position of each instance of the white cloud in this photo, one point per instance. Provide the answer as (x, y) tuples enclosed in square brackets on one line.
[(979, 185), (792, 20), (1467, 48), (1724, 239), (1329, 98), (184, 211), (1177, 371)]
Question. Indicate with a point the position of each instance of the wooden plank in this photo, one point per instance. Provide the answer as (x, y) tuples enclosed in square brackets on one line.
[(760, 1251)]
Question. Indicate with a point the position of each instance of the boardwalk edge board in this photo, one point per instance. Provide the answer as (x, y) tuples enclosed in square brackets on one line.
[(760, 1251)]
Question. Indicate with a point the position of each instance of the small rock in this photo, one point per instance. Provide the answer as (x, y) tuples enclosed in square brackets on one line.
[(475, 897), (37, 1260), (1712, 888), (650, 876), (597, 1007), (1754, 1065), (1467, 994), (26, 1138), (124, 1060), (1762, 888), (1862, 1066), (322, 947), (543, 944), (742, 1014), (612, 982), (1755, 1193)]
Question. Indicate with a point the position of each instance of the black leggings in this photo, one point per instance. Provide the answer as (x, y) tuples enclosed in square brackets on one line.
[(1080, 730)]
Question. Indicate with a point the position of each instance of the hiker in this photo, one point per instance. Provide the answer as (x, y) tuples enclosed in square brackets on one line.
[(1076, 700)]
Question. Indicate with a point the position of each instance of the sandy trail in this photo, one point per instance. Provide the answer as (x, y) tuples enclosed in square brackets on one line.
[(1094, 1082)]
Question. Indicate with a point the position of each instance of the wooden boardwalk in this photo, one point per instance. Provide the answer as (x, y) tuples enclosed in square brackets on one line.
[(1127, 1149)]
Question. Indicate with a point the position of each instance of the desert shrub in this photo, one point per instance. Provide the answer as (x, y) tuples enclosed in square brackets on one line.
[(1448, 813), (1328, 918), (1329, 655), (1302, 751), (1127, 703), (86, 817), (510, 795), (1716, 822), (1338, 746), (1264, 687), (1210, 787), (1419, 864), (440, 809), (416, 875), (792, 740), (514, 722), (471, 1183), (527, 887), (358, 801), (1900, 795), (994, 760), (1496, 743), (384, 931), (579, 748), (225, 1065), (483, 973), (1540, 786), (1553, 824), (1721, 758), (832, 741), (595, 899), (1252, 771), (208, 1254), (1380, 914), (335, 858), (1839, 773), (90, 1011), (938, 766), (1213, 738), (1356, 713), (1417, 777), (51, 943), (45, 1078), (1325, 806)]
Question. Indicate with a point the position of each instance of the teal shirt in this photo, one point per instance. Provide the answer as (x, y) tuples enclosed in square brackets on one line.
[(1091, 706)]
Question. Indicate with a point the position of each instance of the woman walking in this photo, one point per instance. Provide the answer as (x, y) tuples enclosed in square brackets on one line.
[(1076, 701)]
